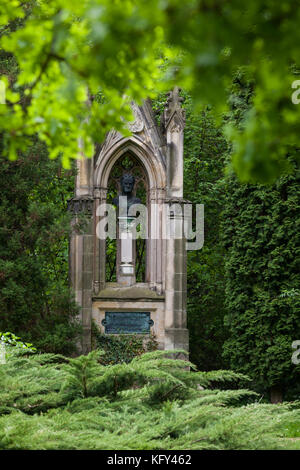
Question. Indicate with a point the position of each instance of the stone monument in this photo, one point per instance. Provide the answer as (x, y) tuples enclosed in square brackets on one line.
[(158, 304)]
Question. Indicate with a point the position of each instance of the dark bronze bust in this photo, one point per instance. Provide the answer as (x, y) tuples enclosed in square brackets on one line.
[(127, 185)]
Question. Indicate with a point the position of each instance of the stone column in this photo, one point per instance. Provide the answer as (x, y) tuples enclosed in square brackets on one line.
[(155, 262), (100, 195), (81, 265), (81, 248), (176, 333), (126, 268), (153, 230)]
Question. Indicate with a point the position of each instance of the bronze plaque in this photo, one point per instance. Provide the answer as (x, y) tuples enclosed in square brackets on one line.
[(127, 322)]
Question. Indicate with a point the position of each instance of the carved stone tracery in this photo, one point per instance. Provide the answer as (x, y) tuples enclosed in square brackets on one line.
[(81, 204), (138, 124)]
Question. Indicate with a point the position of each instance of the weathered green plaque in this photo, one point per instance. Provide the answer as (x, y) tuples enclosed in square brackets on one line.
[(127, 322)]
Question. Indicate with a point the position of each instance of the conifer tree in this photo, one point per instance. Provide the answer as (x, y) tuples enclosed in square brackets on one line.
[(261, 241)]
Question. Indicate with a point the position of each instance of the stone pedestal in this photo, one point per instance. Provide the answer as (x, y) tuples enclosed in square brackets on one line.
[(137, 298), (126, 266)]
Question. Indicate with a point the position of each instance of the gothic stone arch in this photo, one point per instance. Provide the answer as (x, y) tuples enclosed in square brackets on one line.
[(163, 296)]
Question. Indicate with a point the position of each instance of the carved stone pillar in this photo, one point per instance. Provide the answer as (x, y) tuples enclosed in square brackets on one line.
[(126, 266), (174, 122), (176, 278), (176, 333), (100, 195), (156, 242), (81, 264)]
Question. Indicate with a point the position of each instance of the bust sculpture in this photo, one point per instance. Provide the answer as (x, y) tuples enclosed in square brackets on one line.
[(127, 185)]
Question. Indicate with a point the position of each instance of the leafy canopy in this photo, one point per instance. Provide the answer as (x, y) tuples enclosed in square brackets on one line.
[(82, 61)]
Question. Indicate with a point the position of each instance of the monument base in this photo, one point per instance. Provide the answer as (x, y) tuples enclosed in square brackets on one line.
[(138, 299), (128, 301), (177, 338)]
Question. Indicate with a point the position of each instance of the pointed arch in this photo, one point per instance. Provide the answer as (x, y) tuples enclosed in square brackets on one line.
[(144, 153)]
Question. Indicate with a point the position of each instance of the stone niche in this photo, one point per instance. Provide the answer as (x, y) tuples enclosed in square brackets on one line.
[(144, 279)]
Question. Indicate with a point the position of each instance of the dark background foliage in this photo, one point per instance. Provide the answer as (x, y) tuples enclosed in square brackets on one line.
[(260, 237), (35, 301)]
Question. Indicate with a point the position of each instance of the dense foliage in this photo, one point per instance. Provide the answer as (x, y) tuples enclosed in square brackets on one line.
[(261, 234), (71, 50), (121, 348), (204, 153), (9, 342), (35, 301), (51, 402), (261, 241)]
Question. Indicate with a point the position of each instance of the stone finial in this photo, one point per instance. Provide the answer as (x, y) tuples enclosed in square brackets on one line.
[(174, 115)]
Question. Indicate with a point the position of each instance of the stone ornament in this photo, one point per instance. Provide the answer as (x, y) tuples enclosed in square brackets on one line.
[(138, 124), (174, 115), (81, 205)]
